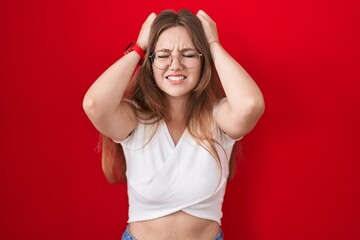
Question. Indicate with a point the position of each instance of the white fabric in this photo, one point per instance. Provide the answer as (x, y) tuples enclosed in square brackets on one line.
[(164, 178)]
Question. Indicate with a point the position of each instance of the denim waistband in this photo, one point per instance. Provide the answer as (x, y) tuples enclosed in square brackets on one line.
[(127, 235)]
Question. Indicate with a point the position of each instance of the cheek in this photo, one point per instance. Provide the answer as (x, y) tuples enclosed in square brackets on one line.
[(197, 74), (157, 76)]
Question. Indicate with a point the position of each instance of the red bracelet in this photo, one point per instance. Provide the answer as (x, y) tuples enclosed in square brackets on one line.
[(134, 47)]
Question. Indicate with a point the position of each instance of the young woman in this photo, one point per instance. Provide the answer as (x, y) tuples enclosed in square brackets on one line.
[(174, 125)]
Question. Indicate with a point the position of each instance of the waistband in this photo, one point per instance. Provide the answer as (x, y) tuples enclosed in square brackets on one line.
[(127, 235)]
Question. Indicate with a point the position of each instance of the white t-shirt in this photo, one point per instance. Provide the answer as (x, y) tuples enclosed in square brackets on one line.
[(164, 178)]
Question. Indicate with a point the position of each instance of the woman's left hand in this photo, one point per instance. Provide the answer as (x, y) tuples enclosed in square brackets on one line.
[(209, 27)]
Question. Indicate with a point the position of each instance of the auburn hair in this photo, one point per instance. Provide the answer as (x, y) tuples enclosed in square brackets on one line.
[(149, 101)]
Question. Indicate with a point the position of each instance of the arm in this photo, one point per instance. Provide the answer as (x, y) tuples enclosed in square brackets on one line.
[(244, 106), (102, 102)]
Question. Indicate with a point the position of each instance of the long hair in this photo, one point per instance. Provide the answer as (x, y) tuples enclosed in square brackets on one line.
[(149, 101)]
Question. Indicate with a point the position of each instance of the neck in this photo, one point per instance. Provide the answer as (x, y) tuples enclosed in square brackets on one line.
[(177, 109)]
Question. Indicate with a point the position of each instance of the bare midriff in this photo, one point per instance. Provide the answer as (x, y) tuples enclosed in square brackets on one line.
[(176, 226)]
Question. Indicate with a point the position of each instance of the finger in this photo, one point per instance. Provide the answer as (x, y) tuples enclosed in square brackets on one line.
[(203, 14), (151, 17), (203, 19)]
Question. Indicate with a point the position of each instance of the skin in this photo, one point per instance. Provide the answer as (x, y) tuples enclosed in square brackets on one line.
[(176, 39), (236, 116), (177, 92)]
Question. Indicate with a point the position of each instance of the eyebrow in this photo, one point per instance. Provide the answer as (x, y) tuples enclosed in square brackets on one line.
[(168, 50)]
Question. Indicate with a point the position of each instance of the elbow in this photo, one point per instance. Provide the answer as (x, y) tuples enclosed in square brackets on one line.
[(249, 110), (259, 107), (242, 119), (251, 115), (89, 107), (254, 108)]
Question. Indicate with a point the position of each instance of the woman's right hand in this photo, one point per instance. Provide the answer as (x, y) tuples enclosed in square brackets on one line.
[(143, 38)]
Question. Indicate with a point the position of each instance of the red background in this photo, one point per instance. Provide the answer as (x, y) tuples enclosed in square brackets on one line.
[(300, 173)]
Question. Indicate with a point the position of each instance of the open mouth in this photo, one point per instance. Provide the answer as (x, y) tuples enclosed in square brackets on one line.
[(176, 79)]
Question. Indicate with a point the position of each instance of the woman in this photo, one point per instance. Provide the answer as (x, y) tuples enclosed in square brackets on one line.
[(175, 128)]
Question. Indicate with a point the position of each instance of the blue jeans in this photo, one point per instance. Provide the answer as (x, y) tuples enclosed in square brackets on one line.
[(127, 235)]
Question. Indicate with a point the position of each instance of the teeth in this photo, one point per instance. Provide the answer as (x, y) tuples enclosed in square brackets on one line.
[(176, 78)]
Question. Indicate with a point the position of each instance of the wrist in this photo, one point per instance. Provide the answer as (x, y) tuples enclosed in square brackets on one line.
[(133, 46), (141, 45), (215, 41)]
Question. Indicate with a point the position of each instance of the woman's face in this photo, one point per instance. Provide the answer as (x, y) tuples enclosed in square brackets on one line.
[(176, 80)]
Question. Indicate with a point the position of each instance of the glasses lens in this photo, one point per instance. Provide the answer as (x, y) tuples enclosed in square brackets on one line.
[(188, 59), (162, 60)]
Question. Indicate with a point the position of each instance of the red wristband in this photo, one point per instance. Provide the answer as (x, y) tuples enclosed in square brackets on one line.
[(134, 47)]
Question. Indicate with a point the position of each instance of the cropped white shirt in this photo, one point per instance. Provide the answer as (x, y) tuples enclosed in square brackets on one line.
[(164, 178)]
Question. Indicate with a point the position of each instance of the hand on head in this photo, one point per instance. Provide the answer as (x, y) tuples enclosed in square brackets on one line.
[(143, 38), (209, 26)]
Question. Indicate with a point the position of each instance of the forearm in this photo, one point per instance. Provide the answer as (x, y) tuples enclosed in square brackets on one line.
[(243, 94), (107, 91)]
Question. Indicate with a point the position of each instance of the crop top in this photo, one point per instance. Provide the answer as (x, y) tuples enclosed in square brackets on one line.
[(164, 178)]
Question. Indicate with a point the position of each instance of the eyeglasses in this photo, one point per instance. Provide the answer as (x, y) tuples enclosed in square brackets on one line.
[(163, 59)]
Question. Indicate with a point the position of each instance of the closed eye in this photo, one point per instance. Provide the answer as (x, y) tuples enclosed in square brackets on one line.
[(189, 54), (162, 55)]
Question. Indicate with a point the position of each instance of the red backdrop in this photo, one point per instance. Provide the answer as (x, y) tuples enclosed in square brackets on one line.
[(299, 177)]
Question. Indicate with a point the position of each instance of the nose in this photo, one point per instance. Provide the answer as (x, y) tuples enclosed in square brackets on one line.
[(175, 63)]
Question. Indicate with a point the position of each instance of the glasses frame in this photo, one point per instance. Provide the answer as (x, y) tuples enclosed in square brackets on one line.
[(172, 58)]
